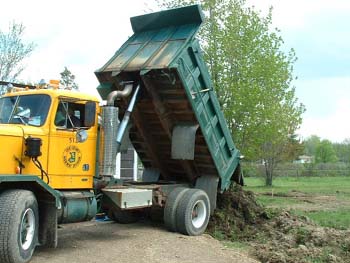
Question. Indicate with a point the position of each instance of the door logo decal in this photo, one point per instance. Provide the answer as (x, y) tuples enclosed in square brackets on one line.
[(71, 156)]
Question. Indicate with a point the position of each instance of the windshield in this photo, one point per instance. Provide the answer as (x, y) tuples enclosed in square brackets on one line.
[(25, 109)]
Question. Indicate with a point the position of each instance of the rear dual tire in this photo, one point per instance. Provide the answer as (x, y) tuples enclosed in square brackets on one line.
[(171, 205), (187, 211)]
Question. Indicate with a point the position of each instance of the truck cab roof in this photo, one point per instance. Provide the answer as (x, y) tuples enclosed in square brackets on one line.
[(55, 93)]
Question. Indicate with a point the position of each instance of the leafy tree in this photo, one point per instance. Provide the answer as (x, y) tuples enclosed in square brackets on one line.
[(252, 77), (294, 148), (13, 50), (68, 79), (311, 144), (325, 152), (342, 151)]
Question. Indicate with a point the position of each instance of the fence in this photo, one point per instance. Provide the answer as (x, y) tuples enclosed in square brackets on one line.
[(291, 169)]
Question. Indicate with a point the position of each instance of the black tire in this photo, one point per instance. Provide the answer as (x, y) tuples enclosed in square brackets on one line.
[(156, 214), (171, 206), (193, 212), (19, 225), (123, 216)]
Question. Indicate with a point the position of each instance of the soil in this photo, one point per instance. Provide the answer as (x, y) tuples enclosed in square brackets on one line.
[(143, 242), (278, 236), (272, 236), (310, 202)]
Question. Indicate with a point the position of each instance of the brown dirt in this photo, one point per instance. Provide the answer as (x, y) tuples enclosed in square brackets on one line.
[(277, 237), (144, 242), (310, 202)]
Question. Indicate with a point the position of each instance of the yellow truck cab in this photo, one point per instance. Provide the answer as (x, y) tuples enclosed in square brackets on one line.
[(57, 118)]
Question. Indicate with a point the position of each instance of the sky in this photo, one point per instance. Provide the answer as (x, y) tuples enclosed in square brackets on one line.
[(83, 35), (319, 32)]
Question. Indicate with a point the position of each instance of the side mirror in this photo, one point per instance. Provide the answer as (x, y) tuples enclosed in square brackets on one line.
[(81, 135), (90, 114)]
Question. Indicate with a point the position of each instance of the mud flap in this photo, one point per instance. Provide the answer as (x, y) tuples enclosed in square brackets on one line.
[(183, 141), (238, 176), (48, 225), (209, 184)]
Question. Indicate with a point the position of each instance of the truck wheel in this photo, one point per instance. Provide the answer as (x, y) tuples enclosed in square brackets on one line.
[(123, 216), (171, 205), (193, 212), (19, 224)]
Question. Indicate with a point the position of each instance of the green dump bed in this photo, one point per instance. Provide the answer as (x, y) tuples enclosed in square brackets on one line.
[(177, 101)]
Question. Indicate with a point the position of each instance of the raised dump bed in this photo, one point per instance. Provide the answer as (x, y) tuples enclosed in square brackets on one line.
[(178, 126)]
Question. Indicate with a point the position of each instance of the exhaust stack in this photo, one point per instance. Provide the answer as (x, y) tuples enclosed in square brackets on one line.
[(111, 133), (108, 132)]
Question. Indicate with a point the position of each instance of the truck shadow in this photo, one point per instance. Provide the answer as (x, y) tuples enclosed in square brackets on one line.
[(80, 235)]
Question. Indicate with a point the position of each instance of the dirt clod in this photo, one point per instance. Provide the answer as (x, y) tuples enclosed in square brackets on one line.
[(276, 236)]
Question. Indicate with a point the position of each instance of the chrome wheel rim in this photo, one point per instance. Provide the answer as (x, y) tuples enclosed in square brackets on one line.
[(27, 229), (199, 214)]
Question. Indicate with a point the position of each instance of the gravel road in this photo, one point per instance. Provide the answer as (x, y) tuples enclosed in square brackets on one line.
[(90, 242)]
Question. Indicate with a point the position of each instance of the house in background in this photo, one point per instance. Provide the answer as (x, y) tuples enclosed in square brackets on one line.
[(304, 159)]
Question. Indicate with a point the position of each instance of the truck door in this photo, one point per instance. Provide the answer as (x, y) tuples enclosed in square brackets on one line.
[(71, 164)]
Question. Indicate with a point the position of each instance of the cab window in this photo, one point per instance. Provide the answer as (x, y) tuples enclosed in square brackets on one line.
[(69, 115), (25, 109)]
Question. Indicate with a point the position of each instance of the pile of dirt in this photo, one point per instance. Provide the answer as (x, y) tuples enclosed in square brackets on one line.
[(236, 211), (278, 236), (290, 238)]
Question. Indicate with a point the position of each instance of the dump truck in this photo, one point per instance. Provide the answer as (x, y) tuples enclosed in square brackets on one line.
[(58, 147)]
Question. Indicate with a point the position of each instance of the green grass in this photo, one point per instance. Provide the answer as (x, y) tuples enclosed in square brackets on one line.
[(236, 245), (318, 185), (338, 219), (275, 201), (335, 216)]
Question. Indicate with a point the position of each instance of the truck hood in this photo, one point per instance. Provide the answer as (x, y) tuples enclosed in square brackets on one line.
[(19, 130), (11, 148), (12, 145), (11, 130)]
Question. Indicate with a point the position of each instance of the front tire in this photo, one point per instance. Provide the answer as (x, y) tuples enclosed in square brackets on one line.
[(193, 212), (19, 225)]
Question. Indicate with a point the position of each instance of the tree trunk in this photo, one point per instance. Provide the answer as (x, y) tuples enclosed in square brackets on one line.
[(268, 181), (269, 165)]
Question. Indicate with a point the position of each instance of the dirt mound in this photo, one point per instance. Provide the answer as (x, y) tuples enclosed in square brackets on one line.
[(279, 236), (236, 210), (291, 238)]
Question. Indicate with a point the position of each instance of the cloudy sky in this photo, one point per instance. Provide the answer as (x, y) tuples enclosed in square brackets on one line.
[(82, 35)]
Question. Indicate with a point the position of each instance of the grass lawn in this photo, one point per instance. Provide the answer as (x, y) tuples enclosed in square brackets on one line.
[(316, 185), (339, 218), (326, 200)]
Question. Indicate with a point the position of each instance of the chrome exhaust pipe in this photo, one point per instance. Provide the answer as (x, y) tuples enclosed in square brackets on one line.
[(119, 93), (126, 118), (109, 130)]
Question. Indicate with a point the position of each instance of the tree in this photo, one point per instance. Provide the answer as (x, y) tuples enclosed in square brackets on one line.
[(342, 151), (13, 51), (252, 77), (68, 79), (293, 149), (325, 152), (311, 144)]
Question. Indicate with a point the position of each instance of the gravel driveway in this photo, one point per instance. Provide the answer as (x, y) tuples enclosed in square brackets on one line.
[(142, 242)]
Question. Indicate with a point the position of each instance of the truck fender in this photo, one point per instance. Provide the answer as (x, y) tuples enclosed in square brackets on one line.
[(48, 200)]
